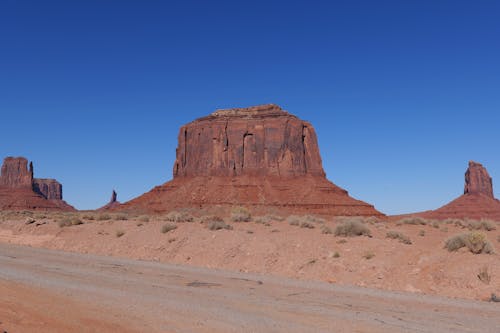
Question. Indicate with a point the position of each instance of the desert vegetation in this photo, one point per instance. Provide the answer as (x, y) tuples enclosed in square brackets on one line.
[(352, 227), (399, 236), (176, 216), (168, 227), (475, 241), (240, 214)]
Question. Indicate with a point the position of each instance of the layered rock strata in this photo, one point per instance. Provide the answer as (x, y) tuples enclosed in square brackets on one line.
[(260, 157), (19, 190)]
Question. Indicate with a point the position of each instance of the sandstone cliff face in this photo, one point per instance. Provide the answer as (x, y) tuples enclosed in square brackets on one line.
[(19, 190), (15, 173), (477, 180), (260, 157), (50, 188), (256, 141)]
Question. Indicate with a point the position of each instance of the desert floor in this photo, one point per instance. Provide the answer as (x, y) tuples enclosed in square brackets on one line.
[(278, 248), (54, 291)]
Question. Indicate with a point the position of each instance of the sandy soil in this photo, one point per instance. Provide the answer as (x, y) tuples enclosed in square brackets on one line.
[(283, 250), (54, 291)]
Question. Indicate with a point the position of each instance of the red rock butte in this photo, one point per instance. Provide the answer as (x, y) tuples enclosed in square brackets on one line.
[(19, 190), (261, 157), (477, 202)]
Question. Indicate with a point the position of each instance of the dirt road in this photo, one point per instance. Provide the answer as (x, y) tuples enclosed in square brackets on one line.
[(50, 291)]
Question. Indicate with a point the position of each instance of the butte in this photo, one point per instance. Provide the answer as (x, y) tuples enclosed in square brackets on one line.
[(260, 157), (20, 191), (477, 202)]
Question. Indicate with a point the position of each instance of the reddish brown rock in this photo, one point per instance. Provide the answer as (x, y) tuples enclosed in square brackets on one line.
[(113, 202), (257, 141), (261, 157), (19, 190), (15, 173), (477, 202), (50, 188), (477, 180)]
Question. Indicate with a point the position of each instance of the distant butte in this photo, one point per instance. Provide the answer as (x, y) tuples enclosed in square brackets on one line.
[(477, 201), (19, 190), (261, 157)]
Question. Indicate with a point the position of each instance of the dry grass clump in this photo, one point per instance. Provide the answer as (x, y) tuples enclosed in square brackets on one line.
[(88, 217), (119, 233), (144, 218), (240, 214), (306, 221), (68, 222), (475, 241), (175, 216), (168, 227), (368, 255), (218, 225), (293, 220), (483, 275), (121, 217), (399, 236), (413, 220), (421, 233), (104, 217), (326, 230), (267, 219), (308, 225), (211, 218), (352, 227)]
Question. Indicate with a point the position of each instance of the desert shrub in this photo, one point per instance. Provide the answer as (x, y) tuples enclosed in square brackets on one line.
[(218, 225), (240, 214), (265, 220), (88, 217), (144, 218), (475, 241), (121, 217), (399, 236), (293, 220), (168, 227), (421, 233), (211, 218), (481, 225), (104, 217), (29, 220), (308, 225), (483, 275), (119, 233), (326, 230), (336, 255), (368, 255), (68, 222), (175, 216), (414, 221), (314, 219), (352, 227), (435, 224)]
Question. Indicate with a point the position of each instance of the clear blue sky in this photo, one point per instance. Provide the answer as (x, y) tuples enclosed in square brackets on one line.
[(401, 93)]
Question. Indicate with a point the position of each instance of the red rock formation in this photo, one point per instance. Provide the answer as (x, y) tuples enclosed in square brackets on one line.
[(113, 202), (257, 141), (15, 173), (477, 180), (19, 190), (477, 202), (261, 157), (50, 188)]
